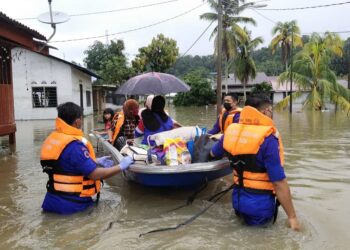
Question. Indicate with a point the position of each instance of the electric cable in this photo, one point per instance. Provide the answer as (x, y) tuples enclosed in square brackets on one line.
[(109, 11), (130, 30), (308, 7), (200, 36)]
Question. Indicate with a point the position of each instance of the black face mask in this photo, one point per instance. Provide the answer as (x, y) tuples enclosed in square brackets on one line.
[(227, 106)]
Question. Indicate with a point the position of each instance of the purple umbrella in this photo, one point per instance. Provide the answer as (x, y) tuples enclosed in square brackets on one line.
[(152, 83)]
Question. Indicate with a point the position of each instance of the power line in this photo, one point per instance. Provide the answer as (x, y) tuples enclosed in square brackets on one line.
[(200, 36), (312, 7), (109, 11), (308, 33), (267, 18), (131, 30)]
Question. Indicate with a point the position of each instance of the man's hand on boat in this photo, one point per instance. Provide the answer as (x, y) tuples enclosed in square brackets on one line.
[(216, 137), (106, 162)]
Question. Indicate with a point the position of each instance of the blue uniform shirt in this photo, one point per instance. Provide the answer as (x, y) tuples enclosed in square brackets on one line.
[(257, 209), (74, 158), (216, 127)]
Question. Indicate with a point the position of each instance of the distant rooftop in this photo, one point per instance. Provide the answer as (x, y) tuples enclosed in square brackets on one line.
[(12, 22), (260, 77)]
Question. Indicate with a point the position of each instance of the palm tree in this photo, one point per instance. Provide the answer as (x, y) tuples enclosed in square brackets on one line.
[(232, 32), (284, 34), (311, 72), (243, 64), (283, 39)]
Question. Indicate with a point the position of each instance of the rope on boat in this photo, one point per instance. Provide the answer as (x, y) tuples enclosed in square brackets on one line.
[(216, 197), (191, 198)]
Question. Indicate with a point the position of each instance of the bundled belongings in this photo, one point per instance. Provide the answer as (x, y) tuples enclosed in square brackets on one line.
[(176, 152), (185, 133), (201, 148)]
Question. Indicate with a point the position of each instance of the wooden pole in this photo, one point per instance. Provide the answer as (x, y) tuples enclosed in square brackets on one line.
[(219, 60)]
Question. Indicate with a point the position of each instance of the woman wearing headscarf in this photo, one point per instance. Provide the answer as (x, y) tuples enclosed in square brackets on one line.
[(124, 124), (154, 120), (147, 104)]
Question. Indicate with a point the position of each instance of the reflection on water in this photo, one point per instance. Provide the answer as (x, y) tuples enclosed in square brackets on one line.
[(317, 165)]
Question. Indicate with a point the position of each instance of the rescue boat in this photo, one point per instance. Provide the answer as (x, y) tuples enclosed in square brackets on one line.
[(179, 176)]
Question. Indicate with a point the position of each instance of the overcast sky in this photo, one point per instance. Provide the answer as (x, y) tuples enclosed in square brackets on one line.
[(184, 29)]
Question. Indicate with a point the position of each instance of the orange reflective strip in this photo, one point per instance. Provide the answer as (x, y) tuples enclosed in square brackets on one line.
[(235, 179), (88, 192), (256, 176), (69, 188), (67, 179), (98, 185), (88, 182), (262, 185)]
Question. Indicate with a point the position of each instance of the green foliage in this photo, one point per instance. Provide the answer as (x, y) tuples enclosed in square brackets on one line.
[(189, 63), (284, 34), (231, 31), (341, 64), (311, 72), (201, 92), (159, 56), (109, 62), (243, 63), (263, 87)]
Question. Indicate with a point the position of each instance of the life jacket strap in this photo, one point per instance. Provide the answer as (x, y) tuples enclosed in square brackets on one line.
[(277, 204)]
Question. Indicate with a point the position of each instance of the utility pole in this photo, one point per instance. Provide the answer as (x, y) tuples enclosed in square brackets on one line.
[(291, 75), (219, 60), (107, 40)]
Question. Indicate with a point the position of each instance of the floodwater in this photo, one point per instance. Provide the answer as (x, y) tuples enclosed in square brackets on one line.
[(317, 152)]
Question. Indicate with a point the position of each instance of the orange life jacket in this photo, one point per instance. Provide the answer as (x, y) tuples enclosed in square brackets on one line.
[(242, 141), (226, 120), (118, 120), (60, 181)]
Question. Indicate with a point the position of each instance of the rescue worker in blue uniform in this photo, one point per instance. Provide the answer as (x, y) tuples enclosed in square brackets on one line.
[(255, 151), (229, 114), (69, 160)]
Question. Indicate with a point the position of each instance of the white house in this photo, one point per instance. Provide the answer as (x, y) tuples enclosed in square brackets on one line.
[(281, 90), (42, 82)]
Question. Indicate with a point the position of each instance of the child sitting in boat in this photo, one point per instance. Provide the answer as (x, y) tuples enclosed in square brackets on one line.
[(107, 120), (154, 120)]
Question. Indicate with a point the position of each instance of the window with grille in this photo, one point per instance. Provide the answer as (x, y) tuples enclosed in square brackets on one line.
[(88, 98), (44, 97)]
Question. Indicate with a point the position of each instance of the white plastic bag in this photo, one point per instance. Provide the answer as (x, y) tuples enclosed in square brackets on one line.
[(185, 133)]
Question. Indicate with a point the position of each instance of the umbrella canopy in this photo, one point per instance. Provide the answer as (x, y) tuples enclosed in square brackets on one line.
[(152, 83)]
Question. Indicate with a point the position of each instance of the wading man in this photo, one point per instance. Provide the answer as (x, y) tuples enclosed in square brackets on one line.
[(69, 160), (256, 155), (230, 114)]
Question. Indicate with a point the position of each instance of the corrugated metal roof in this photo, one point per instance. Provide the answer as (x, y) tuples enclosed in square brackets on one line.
[(260, 77), (21, 26), (80, 68)]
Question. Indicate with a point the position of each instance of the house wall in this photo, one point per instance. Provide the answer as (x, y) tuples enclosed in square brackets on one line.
[(78, 78), (278, 96), (34, 70)]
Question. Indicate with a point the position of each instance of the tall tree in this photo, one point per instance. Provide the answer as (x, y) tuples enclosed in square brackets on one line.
[(283, 39), (201, 92), (311, 72), (243, 64), (159, 56), (108, 61), (232, 33)]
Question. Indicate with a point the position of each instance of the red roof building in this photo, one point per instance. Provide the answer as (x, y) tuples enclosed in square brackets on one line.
[(13, 34)]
